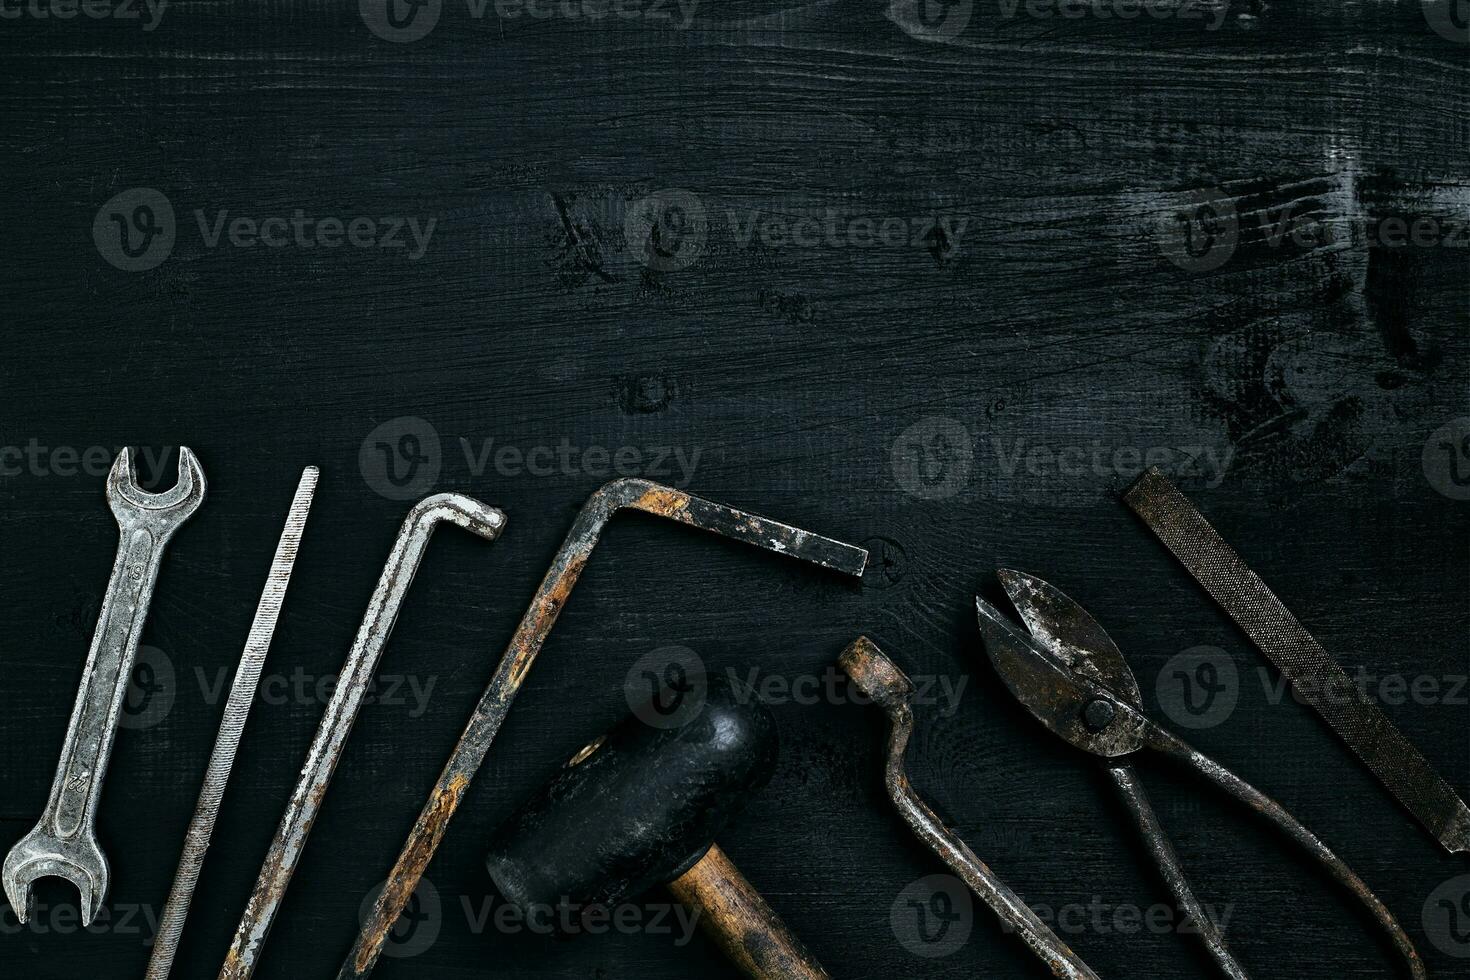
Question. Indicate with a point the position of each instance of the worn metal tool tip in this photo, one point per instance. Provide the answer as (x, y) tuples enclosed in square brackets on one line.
[(874, 674), (1456, 837)]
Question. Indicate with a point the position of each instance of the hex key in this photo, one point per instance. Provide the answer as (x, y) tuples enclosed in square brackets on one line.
[(531, 633), (336, 724)]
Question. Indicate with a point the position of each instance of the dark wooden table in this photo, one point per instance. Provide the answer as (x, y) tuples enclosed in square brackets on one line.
[(1231, 241)]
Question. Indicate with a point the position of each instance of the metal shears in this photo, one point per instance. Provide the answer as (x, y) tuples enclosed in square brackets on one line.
[(1071, 676)]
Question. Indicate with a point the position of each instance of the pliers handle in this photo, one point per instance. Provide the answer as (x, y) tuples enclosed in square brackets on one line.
[(1130, 789)]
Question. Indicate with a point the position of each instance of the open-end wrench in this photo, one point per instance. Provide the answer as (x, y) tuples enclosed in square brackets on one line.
[(64, 842)]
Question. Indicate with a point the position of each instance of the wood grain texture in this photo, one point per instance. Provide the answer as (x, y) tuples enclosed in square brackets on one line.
[(944, 402)]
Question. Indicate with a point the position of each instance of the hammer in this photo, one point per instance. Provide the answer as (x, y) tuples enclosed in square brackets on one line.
[(640, 806)]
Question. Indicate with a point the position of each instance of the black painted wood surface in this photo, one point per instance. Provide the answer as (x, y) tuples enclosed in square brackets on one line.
[(972, 393)]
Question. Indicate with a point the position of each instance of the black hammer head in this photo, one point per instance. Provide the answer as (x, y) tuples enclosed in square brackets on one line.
[(636, 808)]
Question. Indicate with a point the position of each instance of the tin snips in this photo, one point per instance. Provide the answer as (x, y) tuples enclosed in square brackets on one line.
[(1071, 676)]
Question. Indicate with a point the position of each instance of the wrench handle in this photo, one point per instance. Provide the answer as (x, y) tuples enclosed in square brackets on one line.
[(72, 808)]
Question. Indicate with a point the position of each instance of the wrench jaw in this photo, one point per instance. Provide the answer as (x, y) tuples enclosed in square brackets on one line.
[(131, 503), (40, 855)]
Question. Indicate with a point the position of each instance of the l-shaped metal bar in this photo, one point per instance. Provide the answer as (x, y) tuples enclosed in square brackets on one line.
[(546, 605), (336, 724)]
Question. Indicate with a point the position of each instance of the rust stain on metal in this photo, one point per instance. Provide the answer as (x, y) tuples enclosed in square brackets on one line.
[(663, 501), (525, 645), (397, 892)]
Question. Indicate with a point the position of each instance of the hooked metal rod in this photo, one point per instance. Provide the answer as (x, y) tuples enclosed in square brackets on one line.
[(541, 615), (336, 724), (882, 680)]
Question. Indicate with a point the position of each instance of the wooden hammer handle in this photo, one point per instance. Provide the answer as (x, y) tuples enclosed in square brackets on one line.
[(732, 913)]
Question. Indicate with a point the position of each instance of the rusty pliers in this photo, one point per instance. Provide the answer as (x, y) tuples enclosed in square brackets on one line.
[(1071, 676)]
